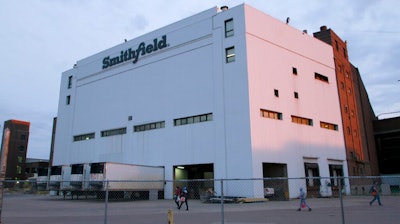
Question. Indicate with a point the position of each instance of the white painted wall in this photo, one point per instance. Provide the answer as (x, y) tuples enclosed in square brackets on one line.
[(190, 77)]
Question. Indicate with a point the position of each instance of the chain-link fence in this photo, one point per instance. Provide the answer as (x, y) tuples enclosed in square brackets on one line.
[(233, 200)]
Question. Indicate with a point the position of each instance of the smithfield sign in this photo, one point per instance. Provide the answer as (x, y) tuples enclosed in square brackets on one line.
[(133, 55)]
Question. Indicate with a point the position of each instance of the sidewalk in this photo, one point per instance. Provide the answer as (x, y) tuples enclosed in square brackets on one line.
[(49, 209)]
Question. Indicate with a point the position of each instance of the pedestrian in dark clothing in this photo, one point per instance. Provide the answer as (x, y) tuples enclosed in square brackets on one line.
[(303, 202), (184, 199), (375, 191), (177, 195)]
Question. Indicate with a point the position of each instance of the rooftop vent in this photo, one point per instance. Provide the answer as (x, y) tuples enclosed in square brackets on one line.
[(224, 8), (323, 28)]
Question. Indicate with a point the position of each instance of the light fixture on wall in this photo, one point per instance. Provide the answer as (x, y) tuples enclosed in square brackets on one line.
[(180, 167)]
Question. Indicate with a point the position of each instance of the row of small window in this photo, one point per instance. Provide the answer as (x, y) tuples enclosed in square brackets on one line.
[(296, 119), (317, 76), (230, 52), (229, 32), (276, 93), (148, 126)]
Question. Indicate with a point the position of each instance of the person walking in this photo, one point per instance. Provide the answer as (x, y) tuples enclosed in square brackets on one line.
[(303, 202), (177, 196), (375, 191), (184, 198)]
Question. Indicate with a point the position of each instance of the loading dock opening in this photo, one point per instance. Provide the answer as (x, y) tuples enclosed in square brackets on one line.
[(280, 187), (194, 172)]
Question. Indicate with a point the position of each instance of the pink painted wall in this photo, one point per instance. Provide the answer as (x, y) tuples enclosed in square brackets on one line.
[(273, 48)]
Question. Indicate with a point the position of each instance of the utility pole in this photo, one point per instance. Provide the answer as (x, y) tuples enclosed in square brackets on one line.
[(4, 154)]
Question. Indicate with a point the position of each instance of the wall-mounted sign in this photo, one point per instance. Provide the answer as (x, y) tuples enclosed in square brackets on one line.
[(133, 55)]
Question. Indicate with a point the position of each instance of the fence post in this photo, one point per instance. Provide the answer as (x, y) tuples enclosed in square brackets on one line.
[(222, 202), (341, 199), (170, 217), (106, 203)]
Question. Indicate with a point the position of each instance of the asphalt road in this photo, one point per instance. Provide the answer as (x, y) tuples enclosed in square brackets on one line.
[(44, 209)]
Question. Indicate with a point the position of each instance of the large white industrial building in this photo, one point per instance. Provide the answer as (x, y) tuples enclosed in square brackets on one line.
[(224, 94)]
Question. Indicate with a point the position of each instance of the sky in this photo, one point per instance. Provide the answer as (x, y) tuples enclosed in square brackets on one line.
[(40, 39)]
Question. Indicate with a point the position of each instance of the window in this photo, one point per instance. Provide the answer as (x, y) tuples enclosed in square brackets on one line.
[(118, 131), (77, 169), (83, 137), (97, 168), (296, 95), (20, 159), (344, 53), (70, 82), (229, 28), (276, 92), (271, 114), (294, 71), (193, 119), (302, 120), (337, 45), (23, 137), (349, 90), (329, 126), (340, 67), (21, 148), (230, 54), (55, 170), (346, 109), (68, 99), (19, 170), (149, 126), (321, 77)]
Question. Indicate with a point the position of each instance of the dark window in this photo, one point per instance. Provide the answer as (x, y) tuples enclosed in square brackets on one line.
[(276, 92), (84, 137), (296, 95), (69, 82), (193, 119), (97, 168), (230, 54), (77, 169), (321, 77), (149, 126), (21, 148), (55, 170), (294, 71), (68, 100), (118, 131), (229, 28)]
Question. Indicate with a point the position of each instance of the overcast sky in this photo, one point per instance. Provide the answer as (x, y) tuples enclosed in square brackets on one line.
[(40, 39)]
